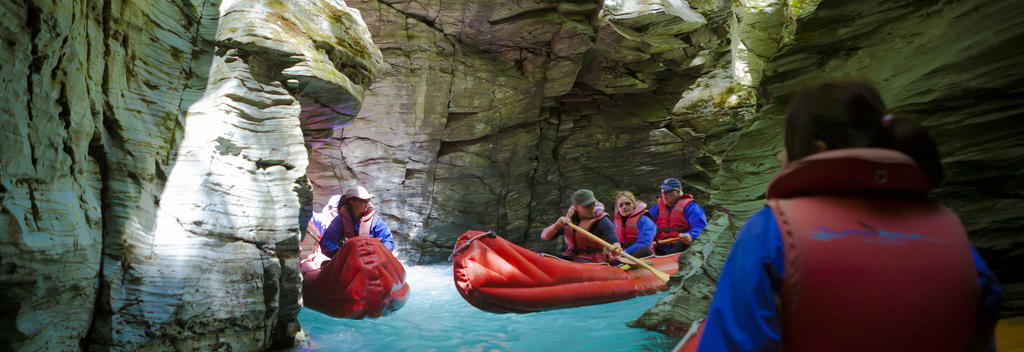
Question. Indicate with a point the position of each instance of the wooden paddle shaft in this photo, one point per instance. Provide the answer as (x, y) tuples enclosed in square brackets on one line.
[(668, 240), (660, 274)]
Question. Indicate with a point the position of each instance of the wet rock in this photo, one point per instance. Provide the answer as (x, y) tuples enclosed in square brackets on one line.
[(154, 157)]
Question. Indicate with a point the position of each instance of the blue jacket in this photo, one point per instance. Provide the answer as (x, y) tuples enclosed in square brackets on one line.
[(693, 214), (743, 316), (645, 229), (329, 243)]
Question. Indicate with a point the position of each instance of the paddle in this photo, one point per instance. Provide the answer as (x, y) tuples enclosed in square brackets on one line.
[(660, 274), (668, 240)]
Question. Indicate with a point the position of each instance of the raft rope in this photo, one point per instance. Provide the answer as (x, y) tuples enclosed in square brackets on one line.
[(464, 244)]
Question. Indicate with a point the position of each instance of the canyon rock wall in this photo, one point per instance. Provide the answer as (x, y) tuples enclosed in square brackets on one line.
[(159, 158), (154, 154), (490, 114)]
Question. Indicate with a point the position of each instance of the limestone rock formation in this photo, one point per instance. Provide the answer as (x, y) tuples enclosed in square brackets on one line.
[(153, 162), (490, 114), (155, 153)]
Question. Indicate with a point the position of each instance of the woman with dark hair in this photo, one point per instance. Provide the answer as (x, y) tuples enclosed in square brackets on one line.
[(849, 253)]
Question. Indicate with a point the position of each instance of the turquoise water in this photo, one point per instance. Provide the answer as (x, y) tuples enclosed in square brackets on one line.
[(436, 318)]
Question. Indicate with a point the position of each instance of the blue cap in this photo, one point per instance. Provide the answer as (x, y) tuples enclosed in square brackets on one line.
[(670, 183)]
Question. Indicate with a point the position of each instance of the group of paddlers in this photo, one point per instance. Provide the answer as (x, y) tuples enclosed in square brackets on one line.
[(675, 222), (848, 253)]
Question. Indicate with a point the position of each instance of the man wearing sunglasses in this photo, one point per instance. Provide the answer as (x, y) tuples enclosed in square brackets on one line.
[(676, 215)]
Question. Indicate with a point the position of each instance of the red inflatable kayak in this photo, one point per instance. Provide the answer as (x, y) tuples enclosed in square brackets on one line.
[(498, 276), (363, 279)]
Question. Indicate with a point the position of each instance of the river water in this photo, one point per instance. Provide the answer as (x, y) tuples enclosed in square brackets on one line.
[(436, 318)]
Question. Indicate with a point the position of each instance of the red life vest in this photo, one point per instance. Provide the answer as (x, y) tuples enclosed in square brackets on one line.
[(672, 222), (627, 231), (871, 264), (579, 245), (365, 222)]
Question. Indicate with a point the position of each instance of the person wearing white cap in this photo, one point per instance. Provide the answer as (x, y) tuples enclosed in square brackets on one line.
[(357, 217)]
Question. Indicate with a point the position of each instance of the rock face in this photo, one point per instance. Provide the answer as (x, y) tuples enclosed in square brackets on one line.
[(154, 154), (491, 113), (954, 67)]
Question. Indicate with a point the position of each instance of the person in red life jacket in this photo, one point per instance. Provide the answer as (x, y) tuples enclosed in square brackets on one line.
[(633, 225), (850, 254), (587, 213), (356, 217), (676, 215)]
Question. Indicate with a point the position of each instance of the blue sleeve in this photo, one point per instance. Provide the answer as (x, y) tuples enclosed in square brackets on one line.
[(645, 234), (321, 221), (329, 242), (991, 297), (653, 211), (695, 217), (380, 230), (743, 316)]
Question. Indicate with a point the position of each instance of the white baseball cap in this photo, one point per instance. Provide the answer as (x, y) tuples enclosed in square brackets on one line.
[(358, 192)]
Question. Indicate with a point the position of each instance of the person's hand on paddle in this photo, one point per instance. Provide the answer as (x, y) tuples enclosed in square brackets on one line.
[(686, 238), (623, 259), (549, 232), (616, 251), (562, 221), (660, 274)]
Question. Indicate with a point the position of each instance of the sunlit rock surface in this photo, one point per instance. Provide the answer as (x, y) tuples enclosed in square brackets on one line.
[(153, 160)]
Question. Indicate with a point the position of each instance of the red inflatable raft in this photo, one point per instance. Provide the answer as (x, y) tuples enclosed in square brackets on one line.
[(363, 279), (690, 342), (498, 276)]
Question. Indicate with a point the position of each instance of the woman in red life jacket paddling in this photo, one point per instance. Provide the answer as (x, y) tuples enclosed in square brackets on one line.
[(849, 254), (587, 213), (633, 225)]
